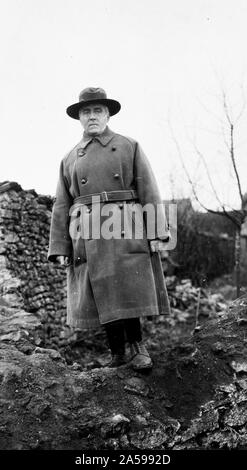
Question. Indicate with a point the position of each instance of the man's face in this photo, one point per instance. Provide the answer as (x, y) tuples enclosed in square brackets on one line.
[(94, 118)]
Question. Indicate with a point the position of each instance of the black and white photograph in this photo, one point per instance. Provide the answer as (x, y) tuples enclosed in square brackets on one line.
[(123, 232)]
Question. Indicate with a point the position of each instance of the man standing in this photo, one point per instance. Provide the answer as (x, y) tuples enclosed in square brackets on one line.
[(112, 280)]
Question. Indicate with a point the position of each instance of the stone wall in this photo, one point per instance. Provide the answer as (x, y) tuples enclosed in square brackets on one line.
[(27, 280)]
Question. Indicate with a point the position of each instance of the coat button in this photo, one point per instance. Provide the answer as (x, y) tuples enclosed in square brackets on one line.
[(113, 149), (84, 181), (120, 205), (116, 175), (81, 153), (122, 233)]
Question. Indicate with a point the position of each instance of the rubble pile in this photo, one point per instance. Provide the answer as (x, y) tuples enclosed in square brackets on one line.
[(195, 397), (193, 303)]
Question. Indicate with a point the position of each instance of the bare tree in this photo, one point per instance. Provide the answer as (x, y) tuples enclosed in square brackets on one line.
[(229, 124)]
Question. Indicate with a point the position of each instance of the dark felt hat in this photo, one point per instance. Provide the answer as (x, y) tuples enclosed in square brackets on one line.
[(93, 95)]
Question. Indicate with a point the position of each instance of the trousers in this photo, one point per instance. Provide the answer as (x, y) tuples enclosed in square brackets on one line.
[(120, 331)]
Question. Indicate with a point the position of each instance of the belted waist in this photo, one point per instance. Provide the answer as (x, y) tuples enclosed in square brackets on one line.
[(105, 196)]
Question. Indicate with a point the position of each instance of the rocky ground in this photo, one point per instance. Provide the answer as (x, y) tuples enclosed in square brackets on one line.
[(194, 398)]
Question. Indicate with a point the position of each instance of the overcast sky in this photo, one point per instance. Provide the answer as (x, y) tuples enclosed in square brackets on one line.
[(164, 60)]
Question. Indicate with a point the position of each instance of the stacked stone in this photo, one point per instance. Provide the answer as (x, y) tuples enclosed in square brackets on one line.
[(27, 280)]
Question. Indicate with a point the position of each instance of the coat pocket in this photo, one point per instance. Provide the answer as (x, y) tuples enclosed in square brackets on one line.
[(79, 252), (78, 222)]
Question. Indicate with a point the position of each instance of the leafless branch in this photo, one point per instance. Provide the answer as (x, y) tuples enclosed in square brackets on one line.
[(224, 138), (226, 109), (223, 213), (243, 105), (231, 148), (202, 158), (208, 110)]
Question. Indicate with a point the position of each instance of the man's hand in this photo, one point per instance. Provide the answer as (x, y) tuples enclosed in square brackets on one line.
[(158, 245), (63, 260)]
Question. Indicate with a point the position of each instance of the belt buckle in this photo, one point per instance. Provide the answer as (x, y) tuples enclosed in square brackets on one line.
[(104, 196)]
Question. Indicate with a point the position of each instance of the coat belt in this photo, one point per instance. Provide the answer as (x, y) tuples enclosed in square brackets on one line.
[(105, 196)]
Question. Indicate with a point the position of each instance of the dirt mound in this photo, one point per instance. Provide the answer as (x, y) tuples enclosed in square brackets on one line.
[(194, 398)]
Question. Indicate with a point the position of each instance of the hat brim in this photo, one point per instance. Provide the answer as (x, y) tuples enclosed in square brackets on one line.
[(113, 106)]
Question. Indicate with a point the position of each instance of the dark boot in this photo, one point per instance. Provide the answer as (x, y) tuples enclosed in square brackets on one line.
[(140, 358), (118, 359), (116, 341)]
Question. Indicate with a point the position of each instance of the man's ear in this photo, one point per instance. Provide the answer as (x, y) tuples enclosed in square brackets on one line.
[(108, 113)]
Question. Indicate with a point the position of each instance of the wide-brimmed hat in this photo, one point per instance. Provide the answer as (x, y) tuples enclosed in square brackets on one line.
[(93, 95)]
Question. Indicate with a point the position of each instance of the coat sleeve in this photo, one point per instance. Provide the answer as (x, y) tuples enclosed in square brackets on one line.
[(148, 194), (60, 241)]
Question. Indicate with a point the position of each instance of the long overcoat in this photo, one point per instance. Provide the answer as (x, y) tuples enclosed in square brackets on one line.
[(108, 278)]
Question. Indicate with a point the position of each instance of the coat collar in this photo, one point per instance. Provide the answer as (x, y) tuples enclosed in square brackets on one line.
[(103, 138)]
